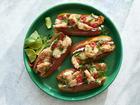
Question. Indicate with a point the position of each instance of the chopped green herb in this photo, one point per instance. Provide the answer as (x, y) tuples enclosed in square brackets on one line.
[(101, 73), (81, 65), (55, 41), (65, 20), (104, 30), (92, 69), (46, 38), (97, 81), (90, 20), (57, 35), (46, 41), (61, 48), (77, 54), (99, 48), (93, 15), (64, 81), (84, 78)]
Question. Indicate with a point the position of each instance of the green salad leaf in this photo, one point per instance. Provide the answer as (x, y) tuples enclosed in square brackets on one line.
[(34, 44), (46, 43)]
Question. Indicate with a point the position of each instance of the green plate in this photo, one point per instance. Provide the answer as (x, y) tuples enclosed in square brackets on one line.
[(49, 85)]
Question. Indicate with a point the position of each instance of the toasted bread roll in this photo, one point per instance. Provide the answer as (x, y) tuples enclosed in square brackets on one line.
[(89, 77), (79, 24), (91, 49), (52, 57)]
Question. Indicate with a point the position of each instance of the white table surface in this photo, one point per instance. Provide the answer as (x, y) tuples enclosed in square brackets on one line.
[(16, 87)]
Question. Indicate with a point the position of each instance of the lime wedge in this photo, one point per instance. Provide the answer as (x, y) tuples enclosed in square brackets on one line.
[(34, 41), (48, 22), (31, 54), (36, 45)]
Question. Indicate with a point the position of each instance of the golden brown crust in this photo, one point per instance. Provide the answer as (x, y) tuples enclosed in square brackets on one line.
[(98, 66), (56, 63), (88, 41), (99, 20), (78, 32), (80, 88)]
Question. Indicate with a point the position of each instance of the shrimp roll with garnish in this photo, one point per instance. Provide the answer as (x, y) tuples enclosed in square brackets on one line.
[(91, 49), (53, 56), (77, 80), (79, 24)]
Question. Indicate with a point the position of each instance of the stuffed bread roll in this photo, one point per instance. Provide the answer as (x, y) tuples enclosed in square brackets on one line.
[(74, 80), (79, 24), (52, 57), (91, 49)]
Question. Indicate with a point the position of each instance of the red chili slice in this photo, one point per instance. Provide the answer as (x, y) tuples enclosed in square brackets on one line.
[(94, 25), (61, 36), (95, 75), (93, 44), (79, 79), (71, 22), (60, 17), (83, 18), (54, 45)]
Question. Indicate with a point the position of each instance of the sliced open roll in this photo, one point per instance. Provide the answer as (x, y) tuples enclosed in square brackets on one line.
[(91, 50), (79, 24), (76, 80), (52, 57)]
